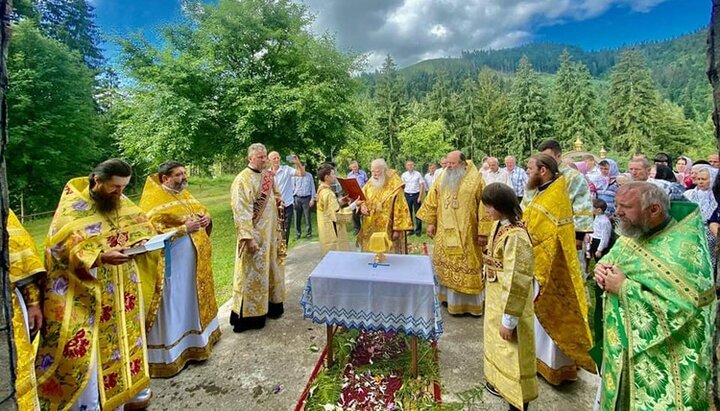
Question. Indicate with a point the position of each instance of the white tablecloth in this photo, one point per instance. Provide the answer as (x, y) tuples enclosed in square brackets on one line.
[(347, 289)]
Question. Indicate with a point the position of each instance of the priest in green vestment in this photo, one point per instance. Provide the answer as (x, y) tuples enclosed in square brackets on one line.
[(660, 305)]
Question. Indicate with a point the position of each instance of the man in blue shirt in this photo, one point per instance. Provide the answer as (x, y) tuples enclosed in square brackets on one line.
[(304, 200), (282, 175), (361, 176)]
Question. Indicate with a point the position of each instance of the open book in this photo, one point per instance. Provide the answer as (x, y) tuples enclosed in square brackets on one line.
[(152, 244), (351, 188)]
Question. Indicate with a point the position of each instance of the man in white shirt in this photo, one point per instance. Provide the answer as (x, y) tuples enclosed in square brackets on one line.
[(414, 190), (431, 175), (495, 174), (283, 180), (518, 177)]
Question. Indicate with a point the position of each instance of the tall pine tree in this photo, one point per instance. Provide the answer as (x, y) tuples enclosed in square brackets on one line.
[(575, 113), (529, 121), (493, 107), (631, 104), (72, 22), (390, 104)]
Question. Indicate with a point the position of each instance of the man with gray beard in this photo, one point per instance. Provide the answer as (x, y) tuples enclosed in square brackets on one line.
[(385, 208), (659, 307), (457, 222)]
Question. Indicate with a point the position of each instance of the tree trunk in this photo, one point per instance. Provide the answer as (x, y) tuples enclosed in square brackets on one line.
[(713, 68), (713, 73), (7, 347)]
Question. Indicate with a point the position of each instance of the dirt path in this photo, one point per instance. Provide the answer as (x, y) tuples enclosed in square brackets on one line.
[(246, 369)]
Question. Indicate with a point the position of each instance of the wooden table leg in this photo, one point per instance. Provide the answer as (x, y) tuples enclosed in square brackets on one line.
[(329, 359), (414, 354)]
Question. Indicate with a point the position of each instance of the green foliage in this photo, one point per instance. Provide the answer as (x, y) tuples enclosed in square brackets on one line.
[(54, 132), (232, 74), (71, 23), (362, 145), (424, 141), (574, 111), (631, 105), (390, 106), (529, 121), (493, 108)]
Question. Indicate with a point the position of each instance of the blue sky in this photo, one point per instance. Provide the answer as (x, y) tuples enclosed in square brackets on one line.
[(413, 30)]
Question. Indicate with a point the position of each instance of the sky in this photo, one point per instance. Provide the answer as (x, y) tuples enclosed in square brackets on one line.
[(414, 30)]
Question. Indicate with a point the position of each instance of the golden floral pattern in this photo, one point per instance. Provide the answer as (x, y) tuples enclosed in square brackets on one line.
[(76, 324)]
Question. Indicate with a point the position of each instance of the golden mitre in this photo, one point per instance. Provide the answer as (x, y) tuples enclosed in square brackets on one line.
[(379, 244)]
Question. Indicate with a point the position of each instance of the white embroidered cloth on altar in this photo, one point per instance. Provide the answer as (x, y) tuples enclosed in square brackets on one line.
[(347, 289)]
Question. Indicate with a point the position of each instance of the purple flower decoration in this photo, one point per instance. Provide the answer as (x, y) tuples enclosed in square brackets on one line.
[(134, 278), (91, 320), (116, 355), (44, 362), (111, 288), (60, 286), (139, 342), (93, 228), (80, 205)]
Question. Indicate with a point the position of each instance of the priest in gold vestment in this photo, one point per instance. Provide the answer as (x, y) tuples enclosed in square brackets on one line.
[(25, 270), (259, 281), (385, 208), (176, 336), (456, 219), (93, 352), (562, 335), (508, 330), (332, 219)]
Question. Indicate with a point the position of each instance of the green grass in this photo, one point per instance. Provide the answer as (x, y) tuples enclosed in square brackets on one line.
[(214, 193)]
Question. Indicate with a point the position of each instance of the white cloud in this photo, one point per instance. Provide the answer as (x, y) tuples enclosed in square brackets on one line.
[(411, 30)]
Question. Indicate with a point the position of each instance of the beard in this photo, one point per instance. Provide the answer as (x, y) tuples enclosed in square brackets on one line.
[(105, 203), (633, 229), (378, 182), (453, 177), (534, 182), (179, 186)]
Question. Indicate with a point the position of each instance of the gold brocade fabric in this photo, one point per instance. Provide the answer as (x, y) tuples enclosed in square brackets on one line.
[(332, 230), (459, 218), (24, 263), (560, 307), (87, 310), (168, 211), (259, 278), (388, 212), (510, 366)]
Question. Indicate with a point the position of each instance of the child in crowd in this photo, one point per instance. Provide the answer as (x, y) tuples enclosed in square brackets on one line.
[(509, 337), (602, 230)]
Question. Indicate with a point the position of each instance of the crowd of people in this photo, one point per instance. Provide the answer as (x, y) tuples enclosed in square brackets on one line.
[(512, 245)]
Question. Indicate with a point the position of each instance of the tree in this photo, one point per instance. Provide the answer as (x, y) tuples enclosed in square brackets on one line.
[(72, 23), (493, 107), (441, 105), (673, 132), (631, 104), (232, 74), (8, 353), (424, 141), (574, 112), (529, 121), (390, 105), (53, 133)]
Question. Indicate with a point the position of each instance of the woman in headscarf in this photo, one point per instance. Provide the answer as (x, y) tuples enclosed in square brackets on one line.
[(683, 166), (665, 178), (703, 196)]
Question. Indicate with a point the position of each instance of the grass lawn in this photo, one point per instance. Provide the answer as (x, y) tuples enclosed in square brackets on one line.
[(215, 195)]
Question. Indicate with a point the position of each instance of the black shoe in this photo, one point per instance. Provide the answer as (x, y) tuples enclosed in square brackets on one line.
[(275, 310), (492, 390), (308, 235), (241, 324)]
